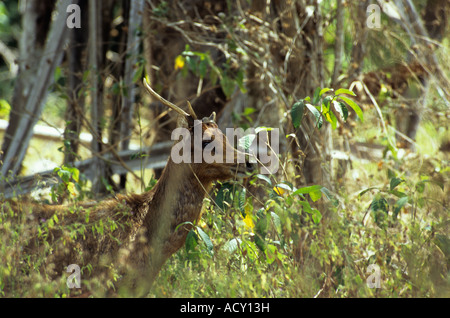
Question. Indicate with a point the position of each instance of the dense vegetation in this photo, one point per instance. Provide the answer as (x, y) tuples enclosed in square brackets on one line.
[(382, 219)]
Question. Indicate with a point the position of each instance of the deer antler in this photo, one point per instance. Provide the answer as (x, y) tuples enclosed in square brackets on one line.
[(191, 110), (164, 101)]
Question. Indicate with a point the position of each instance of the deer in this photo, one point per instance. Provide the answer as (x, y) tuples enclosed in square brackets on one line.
[(153, 225)]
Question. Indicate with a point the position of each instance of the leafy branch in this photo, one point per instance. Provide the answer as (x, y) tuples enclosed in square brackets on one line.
[(326, 107)]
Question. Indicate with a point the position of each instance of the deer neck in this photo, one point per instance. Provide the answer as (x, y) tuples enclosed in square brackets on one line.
[(177, 198)]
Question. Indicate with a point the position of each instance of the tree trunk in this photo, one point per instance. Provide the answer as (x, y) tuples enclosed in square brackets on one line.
[(96, 92), (134, 22), (76, 88), (31, 88)]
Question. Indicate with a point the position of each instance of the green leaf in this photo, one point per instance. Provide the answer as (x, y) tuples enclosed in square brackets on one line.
[(192, 63), (380, 209), (327, 101), (213, 75), (309, 189), (297, 111), (420, 186), (71, 188), (270, 252), (265, 178), (262, 128), (276, 221), (138, 74), (354, 106), (315, 195), (398, 194), (241, 198), (379, 203), (324, 90), (314, 192), (246, 141), (316, 96), (57, 75), (344, 91), (64, 175), (316, 216), (203, 67), (261, 228), (205, 238), (191, 241), (329, 116), (232, 245), (75, 173), (5, 108), (248, 111), (398, 206), (395, 182), (240, 81), (250, 249), (227, 85), (316, 113), (100, 227), (223, 197), (341, 109), (260, 242)]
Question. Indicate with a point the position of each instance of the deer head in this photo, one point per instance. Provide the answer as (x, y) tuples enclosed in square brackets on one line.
[(203, 145)]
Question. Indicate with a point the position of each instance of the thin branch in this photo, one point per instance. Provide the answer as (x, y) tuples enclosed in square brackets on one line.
[(374, 102)]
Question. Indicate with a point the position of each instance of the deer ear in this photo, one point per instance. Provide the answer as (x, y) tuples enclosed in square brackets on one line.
[(212, 117)]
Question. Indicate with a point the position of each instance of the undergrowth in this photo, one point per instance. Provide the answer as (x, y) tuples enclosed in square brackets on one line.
[(382, 232), (287, 249), (277, 244)]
